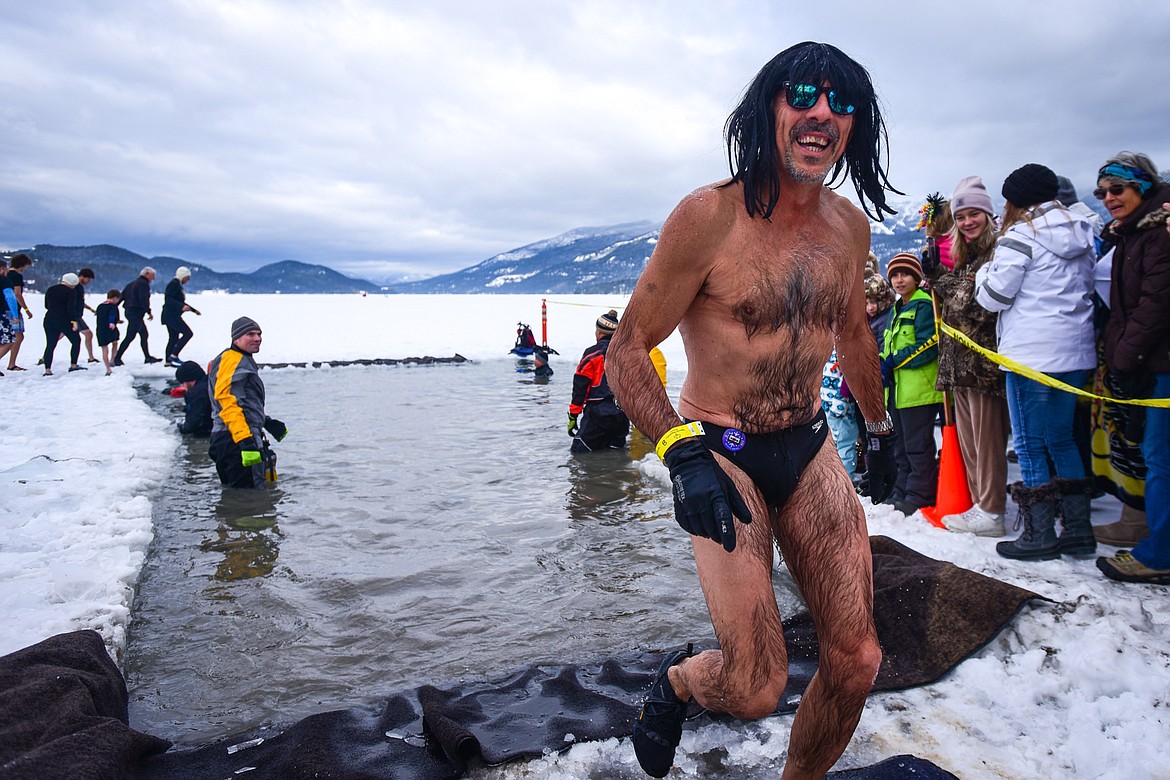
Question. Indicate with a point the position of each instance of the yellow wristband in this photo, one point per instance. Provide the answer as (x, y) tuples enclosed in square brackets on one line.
[(684, 431)]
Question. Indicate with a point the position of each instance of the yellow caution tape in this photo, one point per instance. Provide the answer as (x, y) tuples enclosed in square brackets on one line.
[(1042, 378)]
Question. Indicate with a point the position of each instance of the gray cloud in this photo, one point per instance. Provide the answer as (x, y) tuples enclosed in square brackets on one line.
[(384, 137)]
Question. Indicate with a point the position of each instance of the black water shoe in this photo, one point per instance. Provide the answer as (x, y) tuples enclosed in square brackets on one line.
[(658, 729)]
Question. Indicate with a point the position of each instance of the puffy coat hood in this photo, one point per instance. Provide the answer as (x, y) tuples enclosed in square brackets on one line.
[(1062, 232)]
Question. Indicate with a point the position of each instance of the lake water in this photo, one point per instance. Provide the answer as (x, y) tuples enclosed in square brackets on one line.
[(429, 525)]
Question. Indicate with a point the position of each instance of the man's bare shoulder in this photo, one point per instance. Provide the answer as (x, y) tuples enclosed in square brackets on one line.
[(849, 217), (710, 208), (841, 208), (695, 230)]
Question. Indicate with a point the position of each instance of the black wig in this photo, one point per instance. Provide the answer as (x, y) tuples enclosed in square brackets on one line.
[(751, 129)]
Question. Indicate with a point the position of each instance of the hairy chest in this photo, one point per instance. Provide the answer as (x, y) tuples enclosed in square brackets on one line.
[(795, 286)]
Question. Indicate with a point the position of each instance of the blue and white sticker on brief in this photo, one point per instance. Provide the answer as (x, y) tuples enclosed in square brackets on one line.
[(734, 440)]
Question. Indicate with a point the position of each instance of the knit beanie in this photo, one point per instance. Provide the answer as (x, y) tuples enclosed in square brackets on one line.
[(1066, 193), (608, 322), (971, 194), (189, 371), (70, 279), (1030, 185), (182, 272), (242, 326), (906, 262)]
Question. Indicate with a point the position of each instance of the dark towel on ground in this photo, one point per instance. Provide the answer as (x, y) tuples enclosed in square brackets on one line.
[(63, 712), (930, 615)]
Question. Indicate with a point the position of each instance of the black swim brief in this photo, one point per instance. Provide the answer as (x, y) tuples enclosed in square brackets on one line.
[(775, 460)]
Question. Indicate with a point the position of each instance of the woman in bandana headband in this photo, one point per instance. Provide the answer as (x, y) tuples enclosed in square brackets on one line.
[(1137, 341)]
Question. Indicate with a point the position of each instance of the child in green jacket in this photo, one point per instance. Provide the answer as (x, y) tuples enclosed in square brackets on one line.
[(909, 368)]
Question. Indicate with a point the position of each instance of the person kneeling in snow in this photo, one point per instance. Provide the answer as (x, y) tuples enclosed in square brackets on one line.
[(238, 444)]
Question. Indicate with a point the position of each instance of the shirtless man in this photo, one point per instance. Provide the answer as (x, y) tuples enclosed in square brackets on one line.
[(762, 274)]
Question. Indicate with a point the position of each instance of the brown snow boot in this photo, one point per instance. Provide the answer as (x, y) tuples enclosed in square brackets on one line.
[(1126, 532)]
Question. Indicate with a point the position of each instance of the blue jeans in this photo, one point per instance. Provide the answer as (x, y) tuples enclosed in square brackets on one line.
[(1154, 550), (1042, 427), (845, 434)]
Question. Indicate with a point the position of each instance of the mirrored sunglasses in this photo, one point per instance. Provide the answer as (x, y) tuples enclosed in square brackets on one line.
[(1113, 189), (804, 96)]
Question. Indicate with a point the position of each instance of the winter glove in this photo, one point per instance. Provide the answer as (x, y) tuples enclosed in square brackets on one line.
[(705, 498), (250, 458), (880, 469), (278, 429), (573, 424), (887, 371)]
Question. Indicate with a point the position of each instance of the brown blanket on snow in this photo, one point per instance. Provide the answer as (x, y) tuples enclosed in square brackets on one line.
[(63, 704)]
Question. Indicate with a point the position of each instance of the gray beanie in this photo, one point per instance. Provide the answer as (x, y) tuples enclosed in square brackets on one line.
[(1066, 193), (971, 194), (242, 326)]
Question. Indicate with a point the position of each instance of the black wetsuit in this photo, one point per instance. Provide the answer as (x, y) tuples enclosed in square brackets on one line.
[(107, 316), (59, 322), (603, 424), (174, 298), (775, 460), (136, 302), (197, 409)]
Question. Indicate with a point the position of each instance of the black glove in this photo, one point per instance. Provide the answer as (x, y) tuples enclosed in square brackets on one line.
[(887, 372), (880, 468), (278, 429), (705, 498)]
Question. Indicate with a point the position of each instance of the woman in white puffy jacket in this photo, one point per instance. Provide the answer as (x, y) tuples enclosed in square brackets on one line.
[(1041, 281)]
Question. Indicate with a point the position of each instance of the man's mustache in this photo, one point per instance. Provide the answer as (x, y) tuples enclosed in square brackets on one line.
[(813, 126)]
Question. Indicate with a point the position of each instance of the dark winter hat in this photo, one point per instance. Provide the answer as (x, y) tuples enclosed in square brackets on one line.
[(906, 262), (189, 371), (242, 326), (608, 322), (1030, 185)]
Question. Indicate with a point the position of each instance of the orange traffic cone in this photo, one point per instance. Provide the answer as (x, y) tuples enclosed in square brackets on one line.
[(953, 495)]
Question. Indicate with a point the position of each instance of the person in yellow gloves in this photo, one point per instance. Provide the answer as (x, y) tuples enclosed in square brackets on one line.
[(238, 422)]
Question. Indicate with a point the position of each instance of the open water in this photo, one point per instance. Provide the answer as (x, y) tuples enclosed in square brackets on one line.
[(429, 525)]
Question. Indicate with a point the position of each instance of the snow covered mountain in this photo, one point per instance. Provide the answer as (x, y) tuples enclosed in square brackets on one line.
[(610, 259), (585, 260)]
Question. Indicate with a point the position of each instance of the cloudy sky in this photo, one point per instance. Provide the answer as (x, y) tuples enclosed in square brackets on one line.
[(421, 137)]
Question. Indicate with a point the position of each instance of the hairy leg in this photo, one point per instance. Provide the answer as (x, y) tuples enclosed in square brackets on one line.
[(825, 542), (747, 675)]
